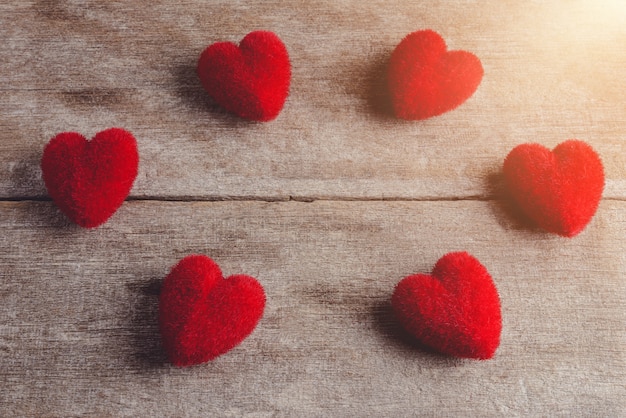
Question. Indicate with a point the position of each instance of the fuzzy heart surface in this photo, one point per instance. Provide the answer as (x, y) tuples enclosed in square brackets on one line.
[(89, 180), (250, 80), (202, 315), (558, 190), (455, 310), (425, 80)]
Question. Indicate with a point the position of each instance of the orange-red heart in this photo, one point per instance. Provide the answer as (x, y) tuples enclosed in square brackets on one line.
[(202, 315), (454, 310), (559, 190), (250, 80), (426, 80), (89, 180)]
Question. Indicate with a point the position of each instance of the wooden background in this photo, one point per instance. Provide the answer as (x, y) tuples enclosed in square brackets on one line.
[(329, 206)]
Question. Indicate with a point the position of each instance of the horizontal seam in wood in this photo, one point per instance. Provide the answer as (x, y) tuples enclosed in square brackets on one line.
[(286, 199)]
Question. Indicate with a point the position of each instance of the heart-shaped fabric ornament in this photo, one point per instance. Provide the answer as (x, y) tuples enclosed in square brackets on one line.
[(250, 80), (559, 190), (455, 310), (202, 315), (426, 80), (89, 180)]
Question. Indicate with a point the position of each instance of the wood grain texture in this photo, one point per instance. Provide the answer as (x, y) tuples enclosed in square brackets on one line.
[(79, 332), (553, 71), (329, 206)]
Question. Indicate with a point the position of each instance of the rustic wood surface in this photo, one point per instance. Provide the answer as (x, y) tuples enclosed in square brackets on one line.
[(329, 206)]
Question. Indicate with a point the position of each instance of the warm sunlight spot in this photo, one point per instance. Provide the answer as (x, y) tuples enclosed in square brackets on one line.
[(593, 19)]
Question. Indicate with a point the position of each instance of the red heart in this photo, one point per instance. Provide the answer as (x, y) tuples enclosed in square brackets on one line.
[(89, 180), (455, 310), (201, 315), (559, 190), (250, 80), (425, 80)]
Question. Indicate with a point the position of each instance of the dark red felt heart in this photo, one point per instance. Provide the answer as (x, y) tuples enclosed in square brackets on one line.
[(559, 190), (250, 80), (455, 310), (89, 180), (426, 80), (202, 315)]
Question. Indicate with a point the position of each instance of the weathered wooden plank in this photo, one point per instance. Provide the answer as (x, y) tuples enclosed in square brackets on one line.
[(78, 331), (553, 71)]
